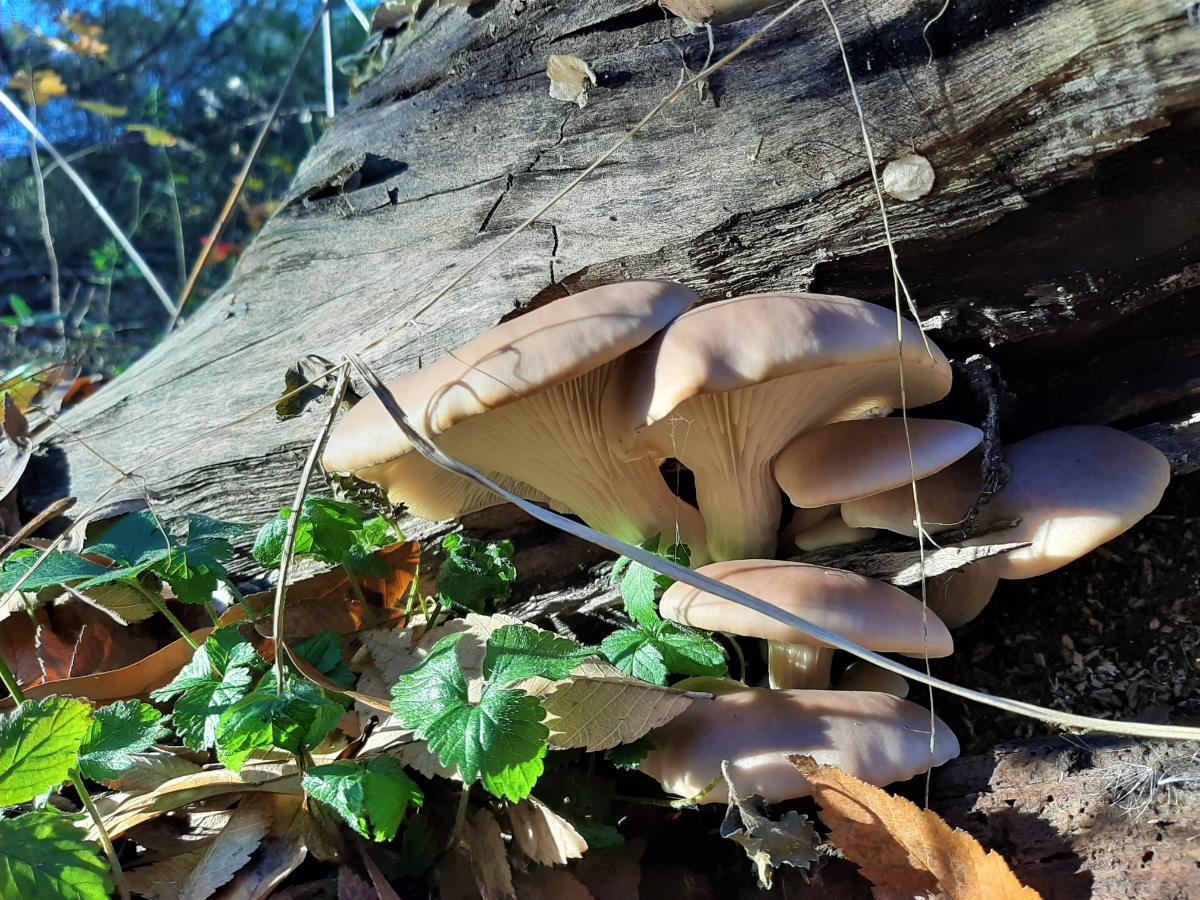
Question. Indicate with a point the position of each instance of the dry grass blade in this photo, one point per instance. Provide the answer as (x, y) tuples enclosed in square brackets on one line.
[(93, 201), (819, 635)]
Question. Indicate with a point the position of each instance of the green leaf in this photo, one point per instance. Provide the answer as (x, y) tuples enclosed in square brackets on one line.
[(327, 709), (261, 722), (686, 651), (192, 580), (217, 677), (328, 530), (203, 529), (629, 756), (475, 573), (39, 745), (517, 652), (641, 586), (119, 731), (20, 307), (324, 653), (374, 535), (60, 567), (133, 539), (371, 797), (43, 856), (501, 740), (632, 651)]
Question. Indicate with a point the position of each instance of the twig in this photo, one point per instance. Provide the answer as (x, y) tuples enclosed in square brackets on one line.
[(358, 14), (327, 55), (289, 539), (813, 632), (251, 157), (94, 202), (53, 511), (39, 183)]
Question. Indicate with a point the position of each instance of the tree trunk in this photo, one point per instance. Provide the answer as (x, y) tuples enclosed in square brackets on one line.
[(1060, 236)]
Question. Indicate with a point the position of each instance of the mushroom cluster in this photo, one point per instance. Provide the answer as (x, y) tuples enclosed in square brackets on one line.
[(580, 402)]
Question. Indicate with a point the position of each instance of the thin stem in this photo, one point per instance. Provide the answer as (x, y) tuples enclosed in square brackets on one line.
[(289, 539), (10, 681), (255, 149), (160, 605), (93, 201), (39, 182), (105, 841)]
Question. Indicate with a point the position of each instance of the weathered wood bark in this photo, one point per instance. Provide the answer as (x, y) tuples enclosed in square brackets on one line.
[(1061, 235), (1076, 819)]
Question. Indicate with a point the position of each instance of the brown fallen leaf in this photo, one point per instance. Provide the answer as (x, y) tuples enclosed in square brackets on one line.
[(543, 835), (351, 886), (903, 850), (282, 850), (569, 78), (313, 674), (197, 874), (480, 838), (550, 884), (613, 873), (402, 560), (128, 683)]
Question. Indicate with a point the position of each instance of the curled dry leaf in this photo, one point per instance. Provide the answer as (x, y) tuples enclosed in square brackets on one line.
[(569, 77), (151, 769), (543, 835), (196, 875), (769, 843), (903, 850), (120, 812), (598, 707), (282, 850), (128, 683), (481, 840)]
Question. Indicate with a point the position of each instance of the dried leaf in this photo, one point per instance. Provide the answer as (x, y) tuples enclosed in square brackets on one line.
[(196, 875), (480, 838), (402, 560), (543, 835), (902, 849), (281, 851), (569, 77), (550, 884), (769, 843), (15, 446), (128, 683), (108, 110), (351, 887), (599, 707), (152, 769), (613, 873), (121, 601), (41, 88)]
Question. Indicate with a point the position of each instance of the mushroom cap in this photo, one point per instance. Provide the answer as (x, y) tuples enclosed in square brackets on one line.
[(749, 340), (961, 595), (946, 498), (846, 461), (871, 613), (876, 737), (829, 533), (516, 359), (1073, 489)]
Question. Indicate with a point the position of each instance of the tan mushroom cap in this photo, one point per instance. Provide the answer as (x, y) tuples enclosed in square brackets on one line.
[(958, 597), (726, 386), (829, 533), (524, 401), (870, 613), (846, 461), (946, 497), (876, 737), (1072, 489)]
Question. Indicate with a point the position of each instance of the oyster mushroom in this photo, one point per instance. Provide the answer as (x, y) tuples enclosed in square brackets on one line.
[(1072, 489), (726, 386), (876, 615), (524, 401), (876, 737)]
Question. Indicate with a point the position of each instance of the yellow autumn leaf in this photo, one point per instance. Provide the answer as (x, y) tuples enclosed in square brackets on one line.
[(902, 849), (107, 110), (90, 47), (154, 136), (41, 88)]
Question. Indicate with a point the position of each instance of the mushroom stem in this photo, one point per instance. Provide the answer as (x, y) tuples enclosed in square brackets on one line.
[(748, 527), (798, 665)]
